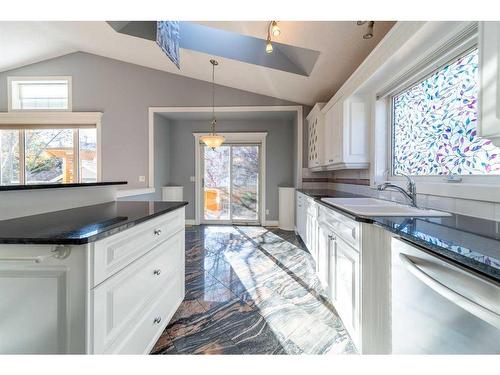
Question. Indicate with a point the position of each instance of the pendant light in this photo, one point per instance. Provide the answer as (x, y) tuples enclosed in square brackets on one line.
[(213, 140)]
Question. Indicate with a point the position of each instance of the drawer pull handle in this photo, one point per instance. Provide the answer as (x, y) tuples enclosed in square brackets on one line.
[(157, 272), (157, 320), (157, 232)]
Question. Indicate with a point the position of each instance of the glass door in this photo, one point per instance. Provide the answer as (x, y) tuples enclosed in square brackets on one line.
[(231, 184)]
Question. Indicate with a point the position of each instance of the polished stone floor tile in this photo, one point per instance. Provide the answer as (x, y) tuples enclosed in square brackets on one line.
[(252, 290)]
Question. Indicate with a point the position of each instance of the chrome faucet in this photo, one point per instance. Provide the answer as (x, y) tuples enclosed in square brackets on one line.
[(410, 192)]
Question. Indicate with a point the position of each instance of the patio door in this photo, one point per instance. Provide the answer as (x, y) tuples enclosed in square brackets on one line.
[(231, 184)]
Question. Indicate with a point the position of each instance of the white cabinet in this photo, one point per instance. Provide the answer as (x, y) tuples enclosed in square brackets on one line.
[(489, 67), (316, 125), (325, 265), (333, 134), (346, 134), (42, 301), (112, 296), (300, 212), (123, 299), (347, 283)]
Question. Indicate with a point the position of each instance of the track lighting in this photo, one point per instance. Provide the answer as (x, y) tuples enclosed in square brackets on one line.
[(269, 46), (369, 29), (274, 30)]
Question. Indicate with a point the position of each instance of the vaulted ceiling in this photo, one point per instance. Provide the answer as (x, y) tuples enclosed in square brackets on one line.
[(339, 43)]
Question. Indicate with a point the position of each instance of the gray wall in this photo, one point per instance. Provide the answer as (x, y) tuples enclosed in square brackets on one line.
[(280, 153), (123, 92)]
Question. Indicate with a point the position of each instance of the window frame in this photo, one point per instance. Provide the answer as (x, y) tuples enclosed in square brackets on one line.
[(465, 178), (68, 120), (12, 79), (76, 150)]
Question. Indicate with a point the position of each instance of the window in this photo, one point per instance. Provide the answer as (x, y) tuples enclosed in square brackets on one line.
[(434, 124), (48, 155), (39, 94)]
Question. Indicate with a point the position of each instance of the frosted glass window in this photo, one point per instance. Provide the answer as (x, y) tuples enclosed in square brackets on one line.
[(47, 94), (435, 122)]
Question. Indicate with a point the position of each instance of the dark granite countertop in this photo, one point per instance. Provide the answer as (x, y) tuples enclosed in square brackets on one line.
[(469, 241), (57, 186), (81, 225)]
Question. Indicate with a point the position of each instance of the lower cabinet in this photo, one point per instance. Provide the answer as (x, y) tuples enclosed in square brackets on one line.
[(121, 301), (352, 262), (104, 297)]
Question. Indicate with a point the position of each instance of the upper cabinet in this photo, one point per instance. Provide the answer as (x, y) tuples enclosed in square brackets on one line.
[(489, 47), (346, 134), (316, 125)]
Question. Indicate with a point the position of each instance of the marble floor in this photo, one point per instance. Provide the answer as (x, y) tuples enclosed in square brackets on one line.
[(251, 290)]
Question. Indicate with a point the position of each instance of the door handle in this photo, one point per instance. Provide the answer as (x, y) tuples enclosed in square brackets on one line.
[(465, 303)]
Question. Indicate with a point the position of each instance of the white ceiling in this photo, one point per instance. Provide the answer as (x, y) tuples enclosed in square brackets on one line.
[(340, 43)]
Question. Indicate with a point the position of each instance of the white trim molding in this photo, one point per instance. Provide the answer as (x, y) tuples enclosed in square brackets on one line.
[(283, 108), (246, 137), (80, 119)]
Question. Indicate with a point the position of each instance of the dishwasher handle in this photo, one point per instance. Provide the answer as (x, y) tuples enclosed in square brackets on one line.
[(474, 308)]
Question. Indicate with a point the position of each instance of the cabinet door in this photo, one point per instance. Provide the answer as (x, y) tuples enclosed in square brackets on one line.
[(333, 134), (355, 134), (489, 65), (311, 234), (326, 260), (322, 261), (301, 216), (315, 141), (42, 304), (347, 284)]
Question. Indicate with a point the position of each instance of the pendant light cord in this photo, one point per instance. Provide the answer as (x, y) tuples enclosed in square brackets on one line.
[(213, 98)]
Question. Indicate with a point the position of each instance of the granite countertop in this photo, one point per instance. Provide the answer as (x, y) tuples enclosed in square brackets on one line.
[(469, 241), (58, 186), (81, 225)]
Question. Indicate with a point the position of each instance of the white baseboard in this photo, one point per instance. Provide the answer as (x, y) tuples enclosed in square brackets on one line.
[(131, 192), (271, 223)]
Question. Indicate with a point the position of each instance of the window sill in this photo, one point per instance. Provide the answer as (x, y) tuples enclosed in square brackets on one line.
[(462, 190)]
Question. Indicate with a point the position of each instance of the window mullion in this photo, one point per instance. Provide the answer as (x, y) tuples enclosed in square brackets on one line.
[(22, 158), (76, 155)]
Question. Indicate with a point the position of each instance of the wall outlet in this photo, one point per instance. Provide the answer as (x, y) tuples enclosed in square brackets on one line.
[(142, 178), (192, 178), (267, 212)]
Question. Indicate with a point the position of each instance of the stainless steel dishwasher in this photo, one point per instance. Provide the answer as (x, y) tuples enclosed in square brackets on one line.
[(440, 308)]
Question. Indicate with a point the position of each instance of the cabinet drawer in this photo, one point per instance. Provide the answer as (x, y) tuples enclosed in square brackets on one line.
[(114, 253), (345, 228), (141, 338), (120, 301)]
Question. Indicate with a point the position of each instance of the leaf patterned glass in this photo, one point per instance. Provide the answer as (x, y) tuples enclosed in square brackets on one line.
[(435, 122)]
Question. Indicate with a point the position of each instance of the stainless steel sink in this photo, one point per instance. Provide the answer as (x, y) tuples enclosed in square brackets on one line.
[(379, 207)]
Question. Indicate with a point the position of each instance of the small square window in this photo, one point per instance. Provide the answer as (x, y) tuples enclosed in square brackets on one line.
[(39, 94)]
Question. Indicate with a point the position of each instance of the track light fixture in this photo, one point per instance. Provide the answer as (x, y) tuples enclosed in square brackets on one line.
[(369, 29), (274, 30)]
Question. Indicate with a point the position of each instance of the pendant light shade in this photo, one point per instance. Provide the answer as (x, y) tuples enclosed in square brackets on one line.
[(213, 140)]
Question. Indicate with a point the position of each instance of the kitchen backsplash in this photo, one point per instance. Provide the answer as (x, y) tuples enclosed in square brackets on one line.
[(358, 182)]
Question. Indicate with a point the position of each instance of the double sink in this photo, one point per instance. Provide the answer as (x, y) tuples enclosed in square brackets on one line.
[(379, 207)]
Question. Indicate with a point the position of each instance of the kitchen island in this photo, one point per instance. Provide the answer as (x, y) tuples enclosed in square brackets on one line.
[(97, 278)]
